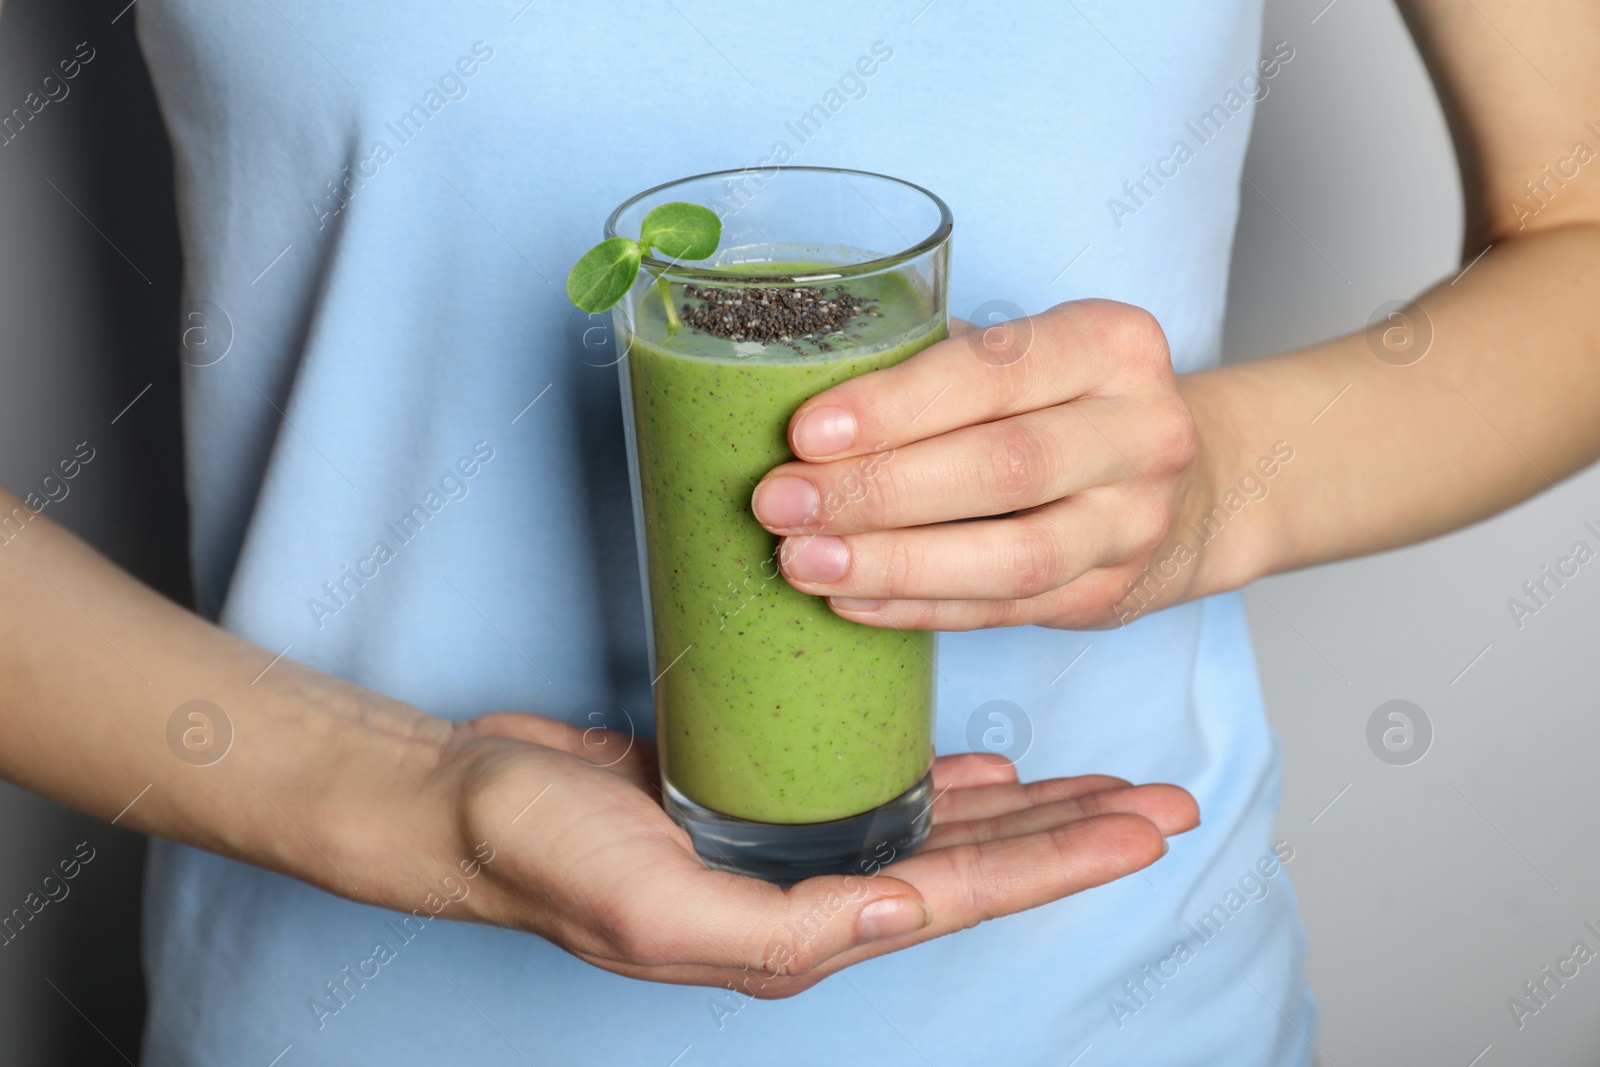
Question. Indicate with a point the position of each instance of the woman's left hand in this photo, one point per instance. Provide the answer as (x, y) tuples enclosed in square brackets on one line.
[(1063, 435)]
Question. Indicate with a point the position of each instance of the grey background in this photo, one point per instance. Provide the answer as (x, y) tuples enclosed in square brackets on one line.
[(1431, 892), (82, 331)]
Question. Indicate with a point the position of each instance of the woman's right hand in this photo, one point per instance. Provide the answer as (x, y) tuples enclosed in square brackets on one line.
[(584, 855)]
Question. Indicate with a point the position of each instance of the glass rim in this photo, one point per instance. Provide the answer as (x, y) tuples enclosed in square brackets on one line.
[(678, 269)]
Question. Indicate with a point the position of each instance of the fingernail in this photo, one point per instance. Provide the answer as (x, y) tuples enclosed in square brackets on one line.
[(846, 603), (816, 559), (891, 918), (785, 503), (824, 432), (1166, 846)]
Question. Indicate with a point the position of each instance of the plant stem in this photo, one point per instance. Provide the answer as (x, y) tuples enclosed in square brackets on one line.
[(673, 322)]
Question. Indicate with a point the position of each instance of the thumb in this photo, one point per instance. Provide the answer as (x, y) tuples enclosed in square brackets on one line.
[(616, 750), (524, 726), (892, 916), (821, 917)]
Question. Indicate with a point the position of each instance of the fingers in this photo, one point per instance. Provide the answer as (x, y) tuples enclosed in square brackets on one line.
[(988, 801), (985, 469), (970, 771), (1071, 350), (1000, 559), (1088, 603), (967, 883), (1170, 809)]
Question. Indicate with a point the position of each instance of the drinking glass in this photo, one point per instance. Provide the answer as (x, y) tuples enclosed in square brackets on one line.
[(792, 742)]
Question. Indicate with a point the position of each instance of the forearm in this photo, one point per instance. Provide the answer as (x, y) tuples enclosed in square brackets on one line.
[(1505, 402), (93, 665)]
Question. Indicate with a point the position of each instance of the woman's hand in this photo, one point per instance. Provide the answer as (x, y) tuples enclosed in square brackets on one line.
[(584, 856), (1063, 433), (509, 819)]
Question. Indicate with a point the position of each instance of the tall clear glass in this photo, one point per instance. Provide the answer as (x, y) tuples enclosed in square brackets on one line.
[(792, 742)]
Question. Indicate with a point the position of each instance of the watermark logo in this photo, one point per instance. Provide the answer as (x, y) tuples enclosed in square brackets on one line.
[(207, 334), (52, 490), (1202, 129), (1254, 485), (52, 90), (450, 87), (1399, 332), (608, 733), (1541, 589), (1000, 731), (199, 733), (52, 889), (1001, 333), (1541, 989), (783, 953), (1541, 191), (1399, 733), (852, 85), (591, 339), (1252, 887), (453, 486), (340, 991)]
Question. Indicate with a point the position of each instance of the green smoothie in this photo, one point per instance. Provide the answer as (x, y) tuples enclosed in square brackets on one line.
[(769, 707)]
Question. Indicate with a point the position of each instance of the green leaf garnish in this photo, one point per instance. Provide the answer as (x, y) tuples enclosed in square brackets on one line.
[(607, 271), (604, 274), (681, 231)]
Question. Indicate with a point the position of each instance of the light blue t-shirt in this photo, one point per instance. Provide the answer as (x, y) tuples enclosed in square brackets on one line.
[(378, 205)]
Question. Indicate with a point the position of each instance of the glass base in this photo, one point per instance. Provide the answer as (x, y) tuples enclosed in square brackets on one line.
[(786, 853)]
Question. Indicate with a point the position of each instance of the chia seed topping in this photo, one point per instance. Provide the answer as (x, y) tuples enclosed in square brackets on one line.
[(782, 315)]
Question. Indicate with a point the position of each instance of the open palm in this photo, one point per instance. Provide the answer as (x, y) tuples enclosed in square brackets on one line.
[(587, 858)]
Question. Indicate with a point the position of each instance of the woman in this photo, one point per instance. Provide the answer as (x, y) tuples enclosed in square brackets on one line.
[(381, 204)]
